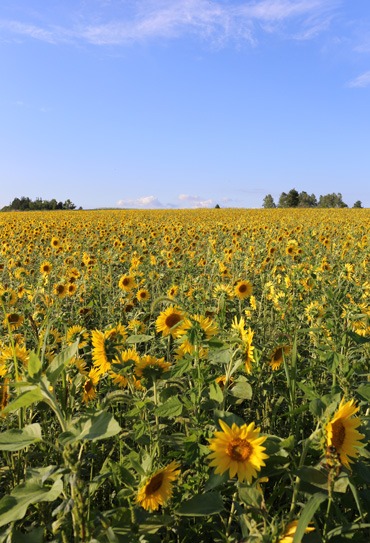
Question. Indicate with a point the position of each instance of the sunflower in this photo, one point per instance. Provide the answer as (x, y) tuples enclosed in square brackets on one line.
[(243, 289), (60, 290), (7, 355), (105, 347), (55, 242), (89, 387), (4, 394), (173, 291), (246, 337), (46, 267), (8, 296), (143, 295), (277, 356), (198, 327), (157, 489), (150, 367), (341, 433), (14, 320), (123, 364), (75, 333), (168, 320), (126, 283), (239, 450), (290, 530)]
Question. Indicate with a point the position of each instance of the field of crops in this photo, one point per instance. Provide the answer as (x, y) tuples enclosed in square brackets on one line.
[(185, 376)]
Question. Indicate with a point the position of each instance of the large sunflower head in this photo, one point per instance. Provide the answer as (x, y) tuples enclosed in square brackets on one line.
[(238, 449), (157, 489), (168, 322), (341, 433)]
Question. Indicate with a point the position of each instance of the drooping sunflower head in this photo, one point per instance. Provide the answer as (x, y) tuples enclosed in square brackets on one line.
[(342, 435), (151, 368), (60, 290), (157, 489), (168, 322), (277, 356), (238, 449), (77, 332)]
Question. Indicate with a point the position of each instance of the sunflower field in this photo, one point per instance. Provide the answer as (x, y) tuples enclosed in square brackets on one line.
[(185, 376)]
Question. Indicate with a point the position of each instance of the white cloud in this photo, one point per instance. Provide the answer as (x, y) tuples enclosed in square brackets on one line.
[(196, 200), (215, 21), (145, 202), (361, 81)]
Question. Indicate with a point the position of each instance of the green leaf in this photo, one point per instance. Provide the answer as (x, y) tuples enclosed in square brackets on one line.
[(216, 480), (60, 362), (36, 536), (309, 392), (171, 408), (250, 496), (139, 338), (34, 365), (101, 425), (242, 390), (360, 340), (215, 393), (209, 503), (364, 391), (307, 514), (24, 400), (14, 506), (15, 440)]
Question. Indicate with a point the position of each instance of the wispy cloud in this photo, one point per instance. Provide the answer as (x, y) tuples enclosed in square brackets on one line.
[(361, 81), (107, 23), (196, 201)]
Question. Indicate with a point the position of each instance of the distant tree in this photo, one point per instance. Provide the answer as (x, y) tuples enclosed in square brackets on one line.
[(217, 206), (70, 205), (268, 202), (306, 200), (358, 204), (289, 200), (26, 204), (331, 200)]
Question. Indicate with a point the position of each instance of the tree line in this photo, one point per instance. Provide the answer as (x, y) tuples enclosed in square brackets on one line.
[(26, 204), (302, 199)]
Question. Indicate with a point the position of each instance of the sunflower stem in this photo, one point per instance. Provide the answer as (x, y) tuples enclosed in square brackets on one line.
[(231, 515)]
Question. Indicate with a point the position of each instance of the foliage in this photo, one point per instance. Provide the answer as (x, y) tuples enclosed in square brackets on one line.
[(26, 204), (302, 199)]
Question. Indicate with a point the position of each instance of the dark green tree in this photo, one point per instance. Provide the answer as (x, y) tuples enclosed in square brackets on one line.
[(268, 202), (331, 200), (306, 200), (289, 200), (358, 204)]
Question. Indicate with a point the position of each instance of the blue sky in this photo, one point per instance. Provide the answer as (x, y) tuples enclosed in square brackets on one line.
[(184, 103)]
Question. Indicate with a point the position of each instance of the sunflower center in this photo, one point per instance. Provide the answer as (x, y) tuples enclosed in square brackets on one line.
[(172, 320), (278, 354), (154, 484), (126, 281), (239, 449), (88, 386), (339, 433), (242, 288)]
